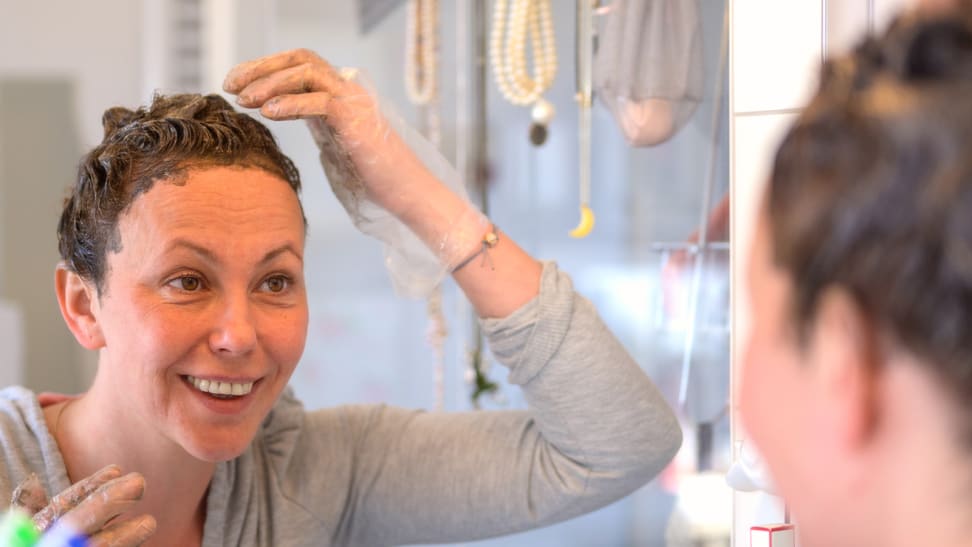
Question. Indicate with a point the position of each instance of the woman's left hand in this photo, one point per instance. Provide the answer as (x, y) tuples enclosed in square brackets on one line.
[(91, 506), (344, 116), (394, 184)]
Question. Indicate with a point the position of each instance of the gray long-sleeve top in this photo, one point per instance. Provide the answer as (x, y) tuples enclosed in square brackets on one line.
[(596, 430)]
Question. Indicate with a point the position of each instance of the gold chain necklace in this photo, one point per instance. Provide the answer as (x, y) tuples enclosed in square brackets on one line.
[(57, 419)]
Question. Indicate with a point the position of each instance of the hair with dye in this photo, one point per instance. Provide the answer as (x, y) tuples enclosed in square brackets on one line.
[(163, 141), (871, 192)]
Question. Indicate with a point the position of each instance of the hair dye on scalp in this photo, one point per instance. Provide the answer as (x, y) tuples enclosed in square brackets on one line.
[(161, 142)]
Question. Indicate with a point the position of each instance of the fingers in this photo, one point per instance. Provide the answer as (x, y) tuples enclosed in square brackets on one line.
[(30, 495), (70, 498), (129, 533), (242, 74), (48, 398), (246, 73), (303, 78), (297, 84), (107, 502), (291, 107), (90, 504)]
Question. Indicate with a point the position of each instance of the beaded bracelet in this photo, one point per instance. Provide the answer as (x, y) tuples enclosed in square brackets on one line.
[(489, 241)]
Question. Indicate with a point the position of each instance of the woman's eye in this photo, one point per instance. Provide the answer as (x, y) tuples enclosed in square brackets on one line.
[(277, 283), (188, 283)]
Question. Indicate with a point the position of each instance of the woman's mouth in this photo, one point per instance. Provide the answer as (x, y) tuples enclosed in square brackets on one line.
[(222, 390)]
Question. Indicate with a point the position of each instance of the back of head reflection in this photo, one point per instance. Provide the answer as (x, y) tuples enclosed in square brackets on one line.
[(858, 371)]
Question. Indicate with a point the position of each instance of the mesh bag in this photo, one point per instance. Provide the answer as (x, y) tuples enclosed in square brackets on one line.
[(648, 67)]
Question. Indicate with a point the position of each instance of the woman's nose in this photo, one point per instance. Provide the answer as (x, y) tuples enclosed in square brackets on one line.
[(234, 333)]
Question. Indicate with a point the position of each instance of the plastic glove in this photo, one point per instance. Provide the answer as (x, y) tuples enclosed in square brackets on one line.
[(377, 166), (89, 505)]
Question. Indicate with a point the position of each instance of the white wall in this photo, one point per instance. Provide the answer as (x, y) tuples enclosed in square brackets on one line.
[(11, 344), (95, 43), (234, 31), (94, 47), (776, 51)]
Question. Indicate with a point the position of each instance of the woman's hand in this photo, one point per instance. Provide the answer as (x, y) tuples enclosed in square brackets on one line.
[(394, 184), (364, 157), (89, 506)]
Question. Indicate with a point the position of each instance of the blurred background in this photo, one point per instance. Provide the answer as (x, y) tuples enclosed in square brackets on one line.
[(664, 295)]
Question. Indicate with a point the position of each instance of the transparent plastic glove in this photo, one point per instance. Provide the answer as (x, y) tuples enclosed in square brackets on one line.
[(379, 168), (89, 505)]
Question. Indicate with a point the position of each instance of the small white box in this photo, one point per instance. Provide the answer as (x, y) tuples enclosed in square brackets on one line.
[(772, 535)]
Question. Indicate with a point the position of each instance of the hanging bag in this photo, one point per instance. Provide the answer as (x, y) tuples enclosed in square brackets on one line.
[(648, 67)]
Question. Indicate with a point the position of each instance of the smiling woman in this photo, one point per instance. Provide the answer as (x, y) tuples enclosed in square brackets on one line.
[(182, 248), (221, 270)]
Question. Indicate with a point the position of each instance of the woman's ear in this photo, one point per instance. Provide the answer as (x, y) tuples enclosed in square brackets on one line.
[(79, 302), (847, 354)]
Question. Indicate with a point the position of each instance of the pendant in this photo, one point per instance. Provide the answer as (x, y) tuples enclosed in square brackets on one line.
[(538, 134), (542, 114)]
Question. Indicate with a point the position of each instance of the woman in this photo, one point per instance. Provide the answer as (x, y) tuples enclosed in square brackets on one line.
[(182, 245), (858, 372)]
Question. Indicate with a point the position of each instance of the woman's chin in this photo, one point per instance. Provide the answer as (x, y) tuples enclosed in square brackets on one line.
[(216, 454), (217, 448)]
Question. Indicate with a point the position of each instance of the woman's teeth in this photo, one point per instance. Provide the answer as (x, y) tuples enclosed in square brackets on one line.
[(220, 388)]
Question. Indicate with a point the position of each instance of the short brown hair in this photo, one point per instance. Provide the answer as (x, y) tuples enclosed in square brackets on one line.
[(175, 133), (871, 191)]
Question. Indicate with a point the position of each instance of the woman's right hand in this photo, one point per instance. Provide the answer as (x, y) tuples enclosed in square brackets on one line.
[(89, 506)]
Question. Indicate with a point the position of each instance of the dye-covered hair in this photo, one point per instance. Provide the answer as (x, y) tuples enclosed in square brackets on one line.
[(871, 192), (176, 133)]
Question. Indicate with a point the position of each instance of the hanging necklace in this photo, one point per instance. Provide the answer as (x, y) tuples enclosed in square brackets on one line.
[(420, 46), (585, 47), (57, 419), (421, 82), (507, 54)]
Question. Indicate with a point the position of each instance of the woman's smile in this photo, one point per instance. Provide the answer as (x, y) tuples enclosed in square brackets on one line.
[(223, 397), (221, 389)]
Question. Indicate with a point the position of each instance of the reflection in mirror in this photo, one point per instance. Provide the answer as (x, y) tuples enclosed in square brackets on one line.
[(655, 264)]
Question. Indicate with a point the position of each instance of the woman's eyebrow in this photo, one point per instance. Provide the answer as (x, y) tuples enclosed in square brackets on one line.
[(210, 256), (285, 248), (197, 249)]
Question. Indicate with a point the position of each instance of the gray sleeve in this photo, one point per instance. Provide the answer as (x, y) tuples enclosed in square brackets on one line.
[(597, 429), (26, 446)]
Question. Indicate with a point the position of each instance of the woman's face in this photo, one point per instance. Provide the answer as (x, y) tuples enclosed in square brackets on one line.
[(206, 294)]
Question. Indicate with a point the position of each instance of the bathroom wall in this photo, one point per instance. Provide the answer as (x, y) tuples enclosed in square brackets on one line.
[(55, 83), (40, 149), (776, 51)]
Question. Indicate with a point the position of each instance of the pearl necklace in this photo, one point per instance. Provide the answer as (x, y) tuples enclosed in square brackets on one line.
[(420, 46), (533, 18)]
